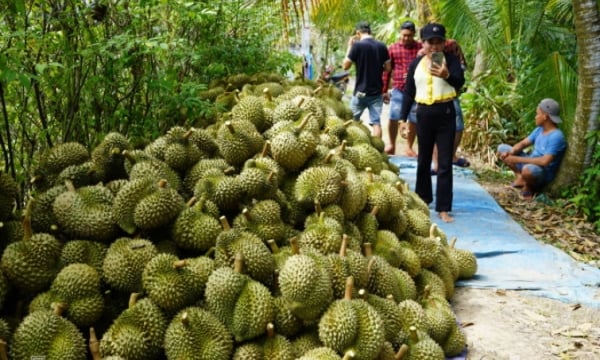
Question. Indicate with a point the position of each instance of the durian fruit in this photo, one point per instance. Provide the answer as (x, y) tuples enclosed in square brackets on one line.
[(138, 333), (455, 343), (32, 263), (263, 219), (428, 278), (39, 210), (259, 181), (466, 260), (224, 190), (140, 164), (196, 334), (439, 316), (10, 231), (244, 305), (413, 201), (197, 226), (382, 280), (9, 193), (412, 314), (258, 260), (197, 171), (421, 346), (125, 261), (176, 149), (54, 160), (389, 312), (108, 159), (284, 319), (305, 284), (46, 333), (5, 334), (146, 204), (318, 184), (354, 195), (427, 249), (324, 235), (80, 175), (205, 141), (292, 148), (86, 212), (387, 246), (173, 284), (320, 353), (352, 325), (382, 195), (271, 346), (248, 350), (250, 108), (239, 141), (307, 341)]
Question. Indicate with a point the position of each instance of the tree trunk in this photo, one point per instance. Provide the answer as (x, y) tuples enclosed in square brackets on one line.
[(579, 151)]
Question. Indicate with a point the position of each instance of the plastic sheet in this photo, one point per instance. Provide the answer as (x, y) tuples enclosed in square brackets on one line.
[(507, 256)]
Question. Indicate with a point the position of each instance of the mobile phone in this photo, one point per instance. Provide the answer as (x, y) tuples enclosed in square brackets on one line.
[(437, 58)]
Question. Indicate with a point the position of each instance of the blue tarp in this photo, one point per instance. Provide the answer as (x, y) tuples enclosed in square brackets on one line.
[(507, 256)]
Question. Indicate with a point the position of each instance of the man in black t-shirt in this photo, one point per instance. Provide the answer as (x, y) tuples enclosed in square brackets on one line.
[(371, 59)]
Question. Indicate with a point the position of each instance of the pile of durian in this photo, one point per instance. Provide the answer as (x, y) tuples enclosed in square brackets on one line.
[(280, 231)]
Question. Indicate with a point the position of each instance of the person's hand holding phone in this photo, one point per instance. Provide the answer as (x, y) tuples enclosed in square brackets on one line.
[(438, 65)]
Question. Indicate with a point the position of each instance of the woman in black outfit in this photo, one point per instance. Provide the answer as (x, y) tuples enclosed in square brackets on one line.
[(434, 87)]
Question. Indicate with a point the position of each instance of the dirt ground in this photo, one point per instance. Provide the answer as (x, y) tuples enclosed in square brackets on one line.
[(510, 325)]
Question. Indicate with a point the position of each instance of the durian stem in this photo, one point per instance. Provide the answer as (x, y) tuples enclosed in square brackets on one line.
[(185, 318), (304, 122), (294, 245), (27, 230), (400, 187), (453, 242), (432, 230), (374, 210), (230, 127), (266, 148), (59, 308), (368, 249), (238, 263), (349, 288), (187, 134), (349, 355), (344, 245), (246, 214), (343, 146), (401, 352), (229, 170), (271, 176), (414, 337), (270, 330), (69, 185), (300, 102), (3, 350), (191, 201), (267, 93), (94, 345), (224, 223), (273, 246), (362, 293), (370, 175), (179, 264), (329, 156), (317, 90), (210, 252), (318, 208), (370, 267), (133, 299), (162, 183)]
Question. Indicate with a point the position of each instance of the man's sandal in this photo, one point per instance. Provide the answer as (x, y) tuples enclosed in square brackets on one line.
[(462, 162)]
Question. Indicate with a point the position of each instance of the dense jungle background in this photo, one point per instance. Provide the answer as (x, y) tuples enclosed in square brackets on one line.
[(77, 70)]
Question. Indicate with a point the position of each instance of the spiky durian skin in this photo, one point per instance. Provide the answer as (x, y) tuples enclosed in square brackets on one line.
[(320, 353), (125, 261), (79, 287), (195, 333), (467, 262), (137, 333), (158, 209), (86, 213), (318, 184), (84, 252), (244, 305), (195, 230), (173, 287), (43, 333), (305, 284), (9, 192), (258, 260), (32, 264), (352, 325)]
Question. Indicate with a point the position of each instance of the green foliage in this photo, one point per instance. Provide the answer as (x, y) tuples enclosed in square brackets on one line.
[(70, 71), (586, 196)]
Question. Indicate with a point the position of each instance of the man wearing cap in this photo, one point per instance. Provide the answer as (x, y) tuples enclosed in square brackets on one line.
[(372, 59), (537, 169), (434, 86), (402, 53)]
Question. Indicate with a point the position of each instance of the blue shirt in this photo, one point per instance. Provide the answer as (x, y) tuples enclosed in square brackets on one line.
[(552, 143)]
